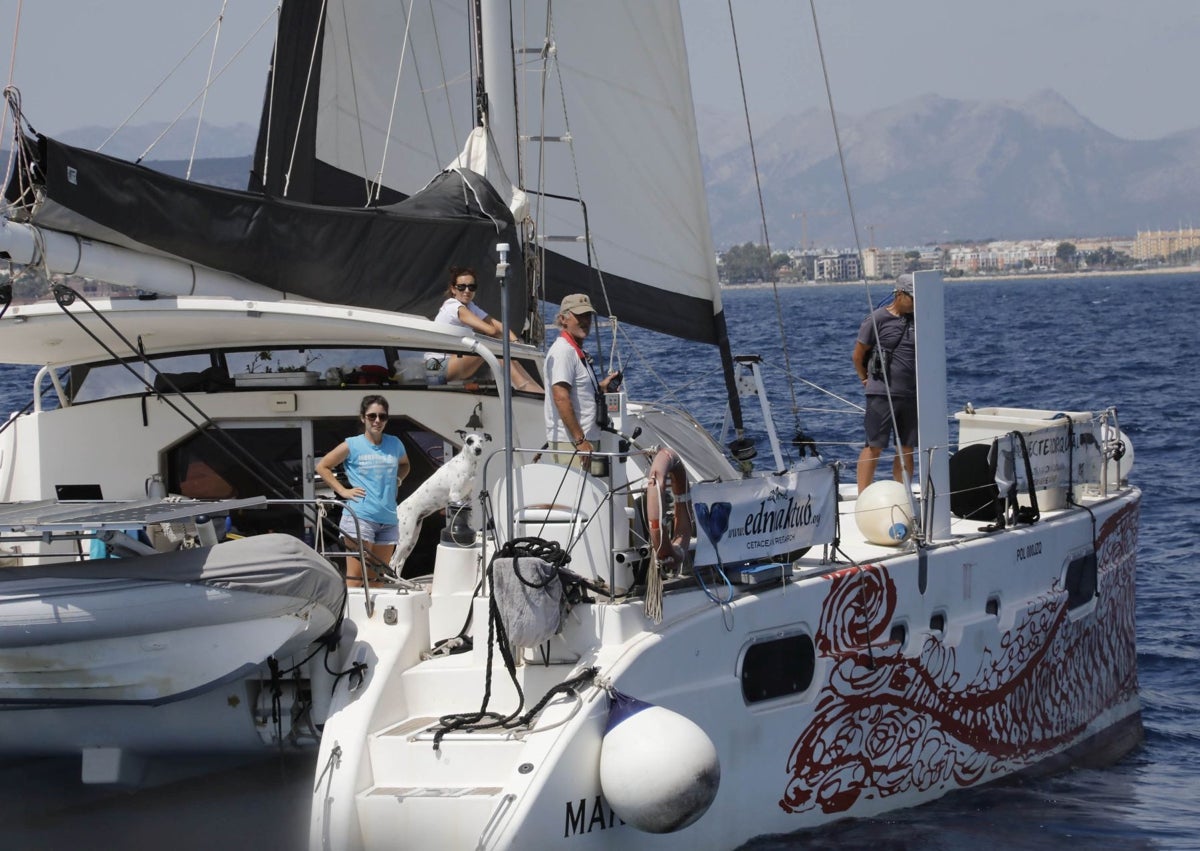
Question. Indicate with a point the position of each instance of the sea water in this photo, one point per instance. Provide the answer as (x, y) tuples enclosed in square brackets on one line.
[(1078, 343)]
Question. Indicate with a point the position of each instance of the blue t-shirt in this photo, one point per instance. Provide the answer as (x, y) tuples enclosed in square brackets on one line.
[(374, 468)]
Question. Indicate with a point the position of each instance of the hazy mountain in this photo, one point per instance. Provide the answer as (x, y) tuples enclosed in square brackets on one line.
[(935, 169), (930, 169), (131, 142)]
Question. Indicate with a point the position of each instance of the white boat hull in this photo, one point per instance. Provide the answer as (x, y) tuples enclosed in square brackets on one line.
[(995, 673)]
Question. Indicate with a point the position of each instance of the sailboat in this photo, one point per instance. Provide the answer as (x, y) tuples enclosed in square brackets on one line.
[(697, 645)]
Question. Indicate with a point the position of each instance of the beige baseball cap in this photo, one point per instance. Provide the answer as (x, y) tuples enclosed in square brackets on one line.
[(576, 303)]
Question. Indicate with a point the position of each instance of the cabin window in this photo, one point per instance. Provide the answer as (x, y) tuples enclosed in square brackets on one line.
[(236, 462), (778, 667), (96, 381), (300, 359)]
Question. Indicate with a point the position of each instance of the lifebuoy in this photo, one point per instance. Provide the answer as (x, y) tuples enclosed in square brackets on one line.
[(667, 464)]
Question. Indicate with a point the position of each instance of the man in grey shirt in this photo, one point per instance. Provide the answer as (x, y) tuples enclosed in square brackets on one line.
[(891, 386)]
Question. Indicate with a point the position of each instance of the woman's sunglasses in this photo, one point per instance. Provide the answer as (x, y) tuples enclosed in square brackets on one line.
[(383, 418), (466, 288)]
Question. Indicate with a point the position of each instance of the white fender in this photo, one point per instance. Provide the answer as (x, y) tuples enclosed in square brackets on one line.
[(883, 513), (658, 770)]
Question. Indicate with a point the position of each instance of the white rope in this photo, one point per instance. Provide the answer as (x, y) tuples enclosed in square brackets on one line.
[(653, 603)]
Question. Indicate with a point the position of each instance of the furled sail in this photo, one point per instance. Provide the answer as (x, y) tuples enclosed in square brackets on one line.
[(588, 112), (392, 257)]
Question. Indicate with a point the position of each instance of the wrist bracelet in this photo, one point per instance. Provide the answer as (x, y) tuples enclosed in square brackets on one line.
[(577, 442)]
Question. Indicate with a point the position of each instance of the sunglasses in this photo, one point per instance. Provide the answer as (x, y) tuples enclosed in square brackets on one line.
[(466, 288), (383, 418)]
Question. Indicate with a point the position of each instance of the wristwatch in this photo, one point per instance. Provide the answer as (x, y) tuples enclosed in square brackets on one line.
[(577, 442)]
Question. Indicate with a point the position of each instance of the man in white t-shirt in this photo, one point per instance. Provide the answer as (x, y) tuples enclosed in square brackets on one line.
[(572, 432)]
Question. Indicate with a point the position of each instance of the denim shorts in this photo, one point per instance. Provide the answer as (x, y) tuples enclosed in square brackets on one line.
[(369, 531)]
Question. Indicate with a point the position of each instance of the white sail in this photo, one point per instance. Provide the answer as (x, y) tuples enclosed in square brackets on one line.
[(400, 105)]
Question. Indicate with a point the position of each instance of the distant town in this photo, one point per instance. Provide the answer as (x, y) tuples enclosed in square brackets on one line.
[(748, 263)]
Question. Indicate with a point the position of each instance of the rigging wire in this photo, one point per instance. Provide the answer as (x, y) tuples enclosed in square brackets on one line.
[(12, 66), (312, 61), (212, 58), (357, 111), (155, 90), (551, 53), (853, 218), (404, 43), (237, 54), (265, 132), (437, 43), (762, 209), (206, 426)]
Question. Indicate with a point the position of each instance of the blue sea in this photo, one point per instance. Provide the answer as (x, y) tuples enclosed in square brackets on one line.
[(1070, 343)]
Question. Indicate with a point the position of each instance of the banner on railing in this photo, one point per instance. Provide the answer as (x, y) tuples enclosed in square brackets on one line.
[(1058, 457), (768, 517)]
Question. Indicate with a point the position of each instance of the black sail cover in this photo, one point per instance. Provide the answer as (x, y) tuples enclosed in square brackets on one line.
[(393, 257)]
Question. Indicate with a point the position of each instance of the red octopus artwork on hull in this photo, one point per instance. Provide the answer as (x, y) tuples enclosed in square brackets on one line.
[(885, 724)]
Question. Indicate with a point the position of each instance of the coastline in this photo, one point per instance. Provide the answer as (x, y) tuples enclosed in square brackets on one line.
[(1044, 276)]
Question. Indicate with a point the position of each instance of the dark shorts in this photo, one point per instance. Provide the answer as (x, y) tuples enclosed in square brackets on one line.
[(878, 420)]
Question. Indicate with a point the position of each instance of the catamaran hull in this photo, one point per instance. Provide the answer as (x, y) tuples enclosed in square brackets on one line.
[(961, 665)]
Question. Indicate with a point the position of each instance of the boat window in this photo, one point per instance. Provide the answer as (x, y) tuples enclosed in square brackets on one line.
[(298, 359), (236, 462), (1081, 580), (93, 382), (778, 667)]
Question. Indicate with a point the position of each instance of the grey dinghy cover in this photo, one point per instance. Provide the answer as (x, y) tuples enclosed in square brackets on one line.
[(391, 257), (275, 565)]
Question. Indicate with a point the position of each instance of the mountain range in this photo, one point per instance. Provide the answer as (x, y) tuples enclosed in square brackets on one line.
[(930, 169)]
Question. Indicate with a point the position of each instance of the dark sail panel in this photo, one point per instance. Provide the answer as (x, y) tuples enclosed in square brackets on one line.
[(391, 258)]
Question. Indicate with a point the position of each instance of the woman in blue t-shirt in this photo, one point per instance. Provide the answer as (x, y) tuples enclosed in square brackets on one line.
[(375, 464)]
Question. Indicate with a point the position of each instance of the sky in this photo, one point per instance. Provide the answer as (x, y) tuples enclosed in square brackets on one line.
[(1130, 68)]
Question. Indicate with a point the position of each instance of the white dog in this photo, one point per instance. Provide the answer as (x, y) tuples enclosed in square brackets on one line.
[(454, 481)]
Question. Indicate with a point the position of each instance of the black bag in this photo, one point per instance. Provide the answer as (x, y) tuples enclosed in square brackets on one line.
[(879, 361)]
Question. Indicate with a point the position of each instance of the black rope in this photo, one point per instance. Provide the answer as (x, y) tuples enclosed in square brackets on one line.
[(276, 699), (551, 552), (206, 426)]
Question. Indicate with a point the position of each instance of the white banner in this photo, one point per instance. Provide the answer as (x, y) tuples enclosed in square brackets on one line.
[(767, 517), (1052, 454)]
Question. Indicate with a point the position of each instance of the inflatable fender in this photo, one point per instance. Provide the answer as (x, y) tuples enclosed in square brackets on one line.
[(658, 770)]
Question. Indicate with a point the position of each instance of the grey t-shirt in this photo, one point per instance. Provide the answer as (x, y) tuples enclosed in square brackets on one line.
[(895, 336)]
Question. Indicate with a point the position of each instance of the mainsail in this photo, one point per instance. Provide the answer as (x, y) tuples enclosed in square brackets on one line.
[(588, 114)]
